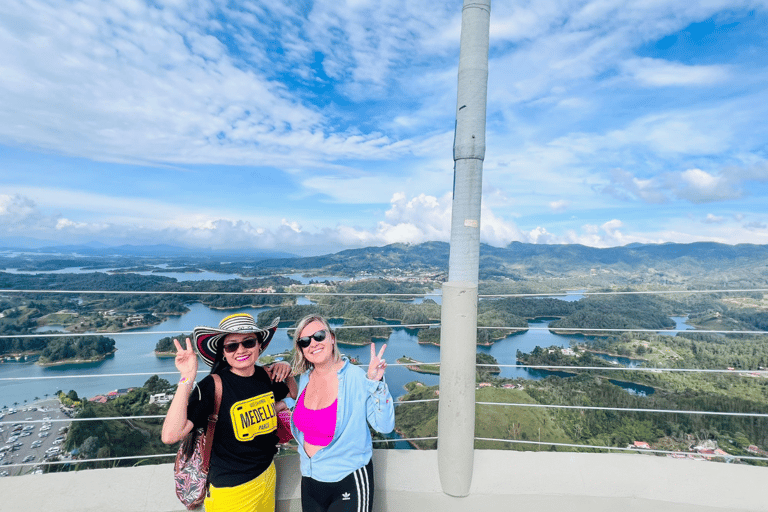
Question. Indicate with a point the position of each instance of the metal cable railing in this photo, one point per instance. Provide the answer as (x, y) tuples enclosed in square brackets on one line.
[(75, 462), (627, 409), (162, 455), (628, 292), (651, 369), (381, 294), (418, 326), (617, 448)]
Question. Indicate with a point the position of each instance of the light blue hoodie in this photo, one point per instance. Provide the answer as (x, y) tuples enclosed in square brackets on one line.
[(361, 401)]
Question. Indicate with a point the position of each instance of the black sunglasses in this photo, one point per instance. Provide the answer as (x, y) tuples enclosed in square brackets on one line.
[(247, 343), (304, 341)]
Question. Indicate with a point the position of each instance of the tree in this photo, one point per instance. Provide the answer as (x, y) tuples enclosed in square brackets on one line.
[(89, 448), (156, 385)]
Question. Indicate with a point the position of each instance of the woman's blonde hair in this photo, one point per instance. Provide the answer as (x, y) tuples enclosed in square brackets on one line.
[(300, 363)]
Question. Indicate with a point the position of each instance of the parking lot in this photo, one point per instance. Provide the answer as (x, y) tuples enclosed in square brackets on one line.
[(29, 434)]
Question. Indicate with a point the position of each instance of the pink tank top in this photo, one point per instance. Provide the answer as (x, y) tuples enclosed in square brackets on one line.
[(317, 425)]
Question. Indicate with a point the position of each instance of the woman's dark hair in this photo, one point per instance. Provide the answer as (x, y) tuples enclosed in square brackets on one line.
[(220, 364)]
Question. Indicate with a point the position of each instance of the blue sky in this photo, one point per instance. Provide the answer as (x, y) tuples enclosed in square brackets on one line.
[(311, 127)]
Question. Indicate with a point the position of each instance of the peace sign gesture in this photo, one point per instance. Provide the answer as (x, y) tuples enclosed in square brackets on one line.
[(186, 360), (377, 365)]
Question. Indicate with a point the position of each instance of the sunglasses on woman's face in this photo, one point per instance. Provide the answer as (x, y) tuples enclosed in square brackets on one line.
[(304, 341), (246, 343)]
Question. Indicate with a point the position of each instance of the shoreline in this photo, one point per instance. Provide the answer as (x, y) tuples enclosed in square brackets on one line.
[(415, 366), (61, 362), (403, 438)]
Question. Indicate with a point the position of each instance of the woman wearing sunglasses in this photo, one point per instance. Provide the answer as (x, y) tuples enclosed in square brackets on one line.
[(337, 401), (242, 474)]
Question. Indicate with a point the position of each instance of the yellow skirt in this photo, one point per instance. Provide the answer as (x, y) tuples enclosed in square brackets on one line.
[(258, 495)]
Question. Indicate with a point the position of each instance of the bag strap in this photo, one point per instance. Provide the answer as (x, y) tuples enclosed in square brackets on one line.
[(212, 423)]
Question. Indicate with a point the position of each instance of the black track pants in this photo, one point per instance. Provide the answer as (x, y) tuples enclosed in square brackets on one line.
[(354, 493)]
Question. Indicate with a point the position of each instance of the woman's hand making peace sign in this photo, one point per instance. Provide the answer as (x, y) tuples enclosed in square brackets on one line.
[(186, 360), (377, 365)]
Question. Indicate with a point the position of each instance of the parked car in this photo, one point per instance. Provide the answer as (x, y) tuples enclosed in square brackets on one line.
[(35, 444), (43, 434), (12, 439), (28, 458), (25, 434), (44, 428)]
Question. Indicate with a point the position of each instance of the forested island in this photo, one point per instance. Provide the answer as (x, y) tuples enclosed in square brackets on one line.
[(76, 350)]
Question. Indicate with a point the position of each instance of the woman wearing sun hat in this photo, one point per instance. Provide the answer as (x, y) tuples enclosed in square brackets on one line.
[(242, 474), (337, 401)]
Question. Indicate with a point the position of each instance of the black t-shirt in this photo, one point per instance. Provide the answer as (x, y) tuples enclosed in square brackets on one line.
[(244, 442)]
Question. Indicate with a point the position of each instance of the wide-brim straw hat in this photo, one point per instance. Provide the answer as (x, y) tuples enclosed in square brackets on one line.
[(207, 339)]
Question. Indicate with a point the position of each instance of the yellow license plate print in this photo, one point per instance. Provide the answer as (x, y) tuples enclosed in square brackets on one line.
[(254, 417)]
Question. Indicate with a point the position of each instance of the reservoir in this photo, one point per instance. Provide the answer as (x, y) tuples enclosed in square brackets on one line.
[(135, 355)]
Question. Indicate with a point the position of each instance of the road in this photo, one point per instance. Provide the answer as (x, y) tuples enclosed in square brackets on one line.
[(34, 415)]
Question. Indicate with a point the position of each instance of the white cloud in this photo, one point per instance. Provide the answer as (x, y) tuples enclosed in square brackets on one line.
[(699, 186), (539, 235), (623, 185), (559, 206), (15, 208), (661, 73), (294, 226), (351, 103), (714, 219), (154, 85), (66, 224), (419, 219)]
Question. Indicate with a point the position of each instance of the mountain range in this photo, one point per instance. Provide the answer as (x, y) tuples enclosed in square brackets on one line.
[(709, 260)]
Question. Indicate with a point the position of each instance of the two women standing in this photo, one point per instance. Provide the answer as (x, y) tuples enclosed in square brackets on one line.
[(336, 403)]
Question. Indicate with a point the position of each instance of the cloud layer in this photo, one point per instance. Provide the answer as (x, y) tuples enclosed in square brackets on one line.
[(315, 124)]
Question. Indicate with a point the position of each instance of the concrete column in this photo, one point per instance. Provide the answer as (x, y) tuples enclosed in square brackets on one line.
[(469, 142), (458, 336), (456, 413)]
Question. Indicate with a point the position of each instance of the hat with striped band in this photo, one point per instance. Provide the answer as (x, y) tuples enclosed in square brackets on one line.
[(207, 339)]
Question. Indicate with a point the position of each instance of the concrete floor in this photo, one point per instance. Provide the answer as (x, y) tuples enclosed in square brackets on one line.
[(407, 480)]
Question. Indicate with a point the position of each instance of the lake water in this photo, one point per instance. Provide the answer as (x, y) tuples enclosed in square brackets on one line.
[(204, 275), (179, 276), (135, 355)]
